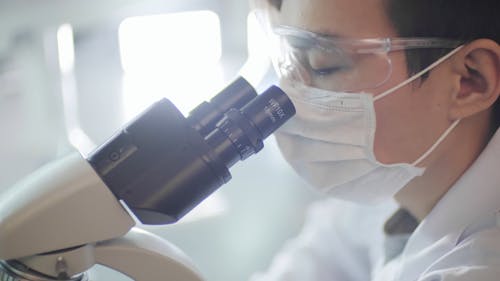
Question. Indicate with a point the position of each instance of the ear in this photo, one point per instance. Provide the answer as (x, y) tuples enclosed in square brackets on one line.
[(478, 83)]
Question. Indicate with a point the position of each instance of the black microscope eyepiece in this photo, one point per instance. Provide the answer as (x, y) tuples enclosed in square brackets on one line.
[(236, 95)]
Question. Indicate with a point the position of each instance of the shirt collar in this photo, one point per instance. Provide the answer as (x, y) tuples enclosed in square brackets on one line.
[(478, 188)]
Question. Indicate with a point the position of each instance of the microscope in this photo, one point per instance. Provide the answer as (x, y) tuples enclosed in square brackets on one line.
[(77, 212)]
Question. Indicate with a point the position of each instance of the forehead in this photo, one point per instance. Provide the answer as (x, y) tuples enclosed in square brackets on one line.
[(346, 18)]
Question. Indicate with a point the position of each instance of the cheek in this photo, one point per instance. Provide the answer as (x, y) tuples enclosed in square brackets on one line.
[(409, 121), (401, 119), (395, 131)]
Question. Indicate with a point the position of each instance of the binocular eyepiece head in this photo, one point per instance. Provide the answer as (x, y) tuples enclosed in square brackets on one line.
[(162, 164)]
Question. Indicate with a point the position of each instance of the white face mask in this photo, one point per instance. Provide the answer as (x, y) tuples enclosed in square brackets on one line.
[(330, 143)]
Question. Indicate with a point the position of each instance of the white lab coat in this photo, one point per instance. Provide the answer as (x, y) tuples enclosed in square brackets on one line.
[(459, 240)]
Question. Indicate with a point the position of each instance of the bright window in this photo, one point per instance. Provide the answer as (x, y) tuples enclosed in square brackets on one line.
[(258, 63), (176, 56)]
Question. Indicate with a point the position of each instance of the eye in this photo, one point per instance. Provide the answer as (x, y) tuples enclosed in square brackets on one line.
[(324, 64), (327, 71)]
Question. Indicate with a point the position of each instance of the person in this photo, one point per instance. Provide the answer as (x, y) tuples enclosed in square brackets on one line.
[(397, 124)]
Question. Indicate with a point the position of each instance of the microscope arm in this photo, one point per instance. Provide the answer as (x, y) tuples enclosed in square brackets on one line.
[(143, 256), (64, 204)]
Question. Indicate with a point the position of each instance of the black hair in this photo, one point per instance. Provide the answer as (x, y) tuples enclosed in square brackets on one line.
[(464, 20)]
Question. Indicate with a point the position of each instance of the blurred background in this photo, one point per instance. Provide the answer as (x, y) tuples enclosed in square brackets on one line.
[(73, 72)]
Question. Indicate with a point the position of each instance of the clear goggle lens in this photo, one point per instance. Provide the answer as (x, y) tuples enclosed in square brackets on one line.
[(331, 67), (342, 64)]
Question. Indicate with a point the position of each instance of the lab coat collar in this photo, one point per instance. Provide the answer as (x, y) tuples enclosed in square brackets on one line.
[(475, 194)]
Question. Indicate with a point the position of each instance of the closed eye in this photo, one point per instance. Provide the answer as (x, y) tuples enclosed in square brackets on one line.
[(327, 71)]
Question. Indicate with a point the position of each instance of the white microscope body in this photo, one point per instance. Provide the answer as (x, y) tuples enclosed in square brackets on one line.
[(62, 220)]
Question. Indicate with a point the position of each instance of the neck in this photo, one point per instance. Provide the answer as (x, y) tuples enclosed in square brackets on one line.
[(445, 166)]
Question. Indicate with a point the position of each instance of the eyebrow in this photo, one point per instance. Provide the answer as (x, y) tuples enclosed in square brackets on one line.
[(325, 33), (320, 32)]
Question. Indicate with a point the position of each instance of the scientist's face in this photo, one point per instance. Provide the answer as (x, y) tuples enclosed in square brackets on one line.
[(408, 121)]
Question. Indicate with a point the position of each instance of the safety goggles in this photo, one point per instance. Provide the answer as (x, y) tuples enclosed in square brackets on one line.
[(341, 64)]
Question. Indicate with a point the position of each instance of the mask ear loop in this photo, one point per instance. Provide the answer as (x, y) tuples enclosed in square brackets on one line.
[(413, 78), (438, 142), (416, 76)]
